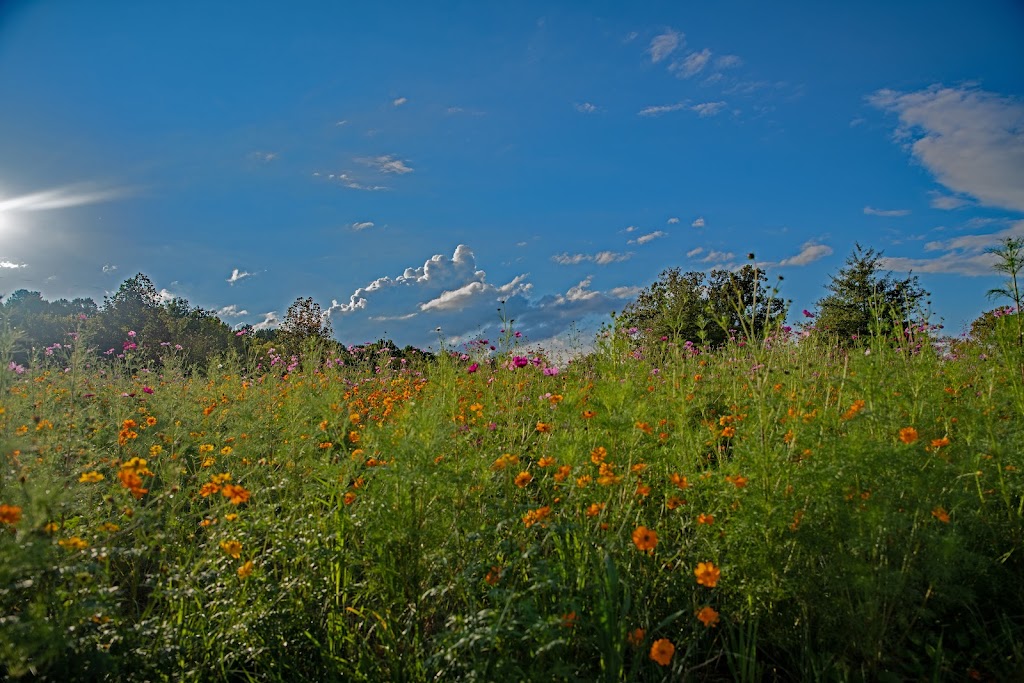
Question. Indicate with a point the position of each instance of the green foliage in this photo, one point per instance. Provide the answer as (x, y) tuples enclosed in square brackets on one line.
[(708, 308), (1009, 261), (865, 302)]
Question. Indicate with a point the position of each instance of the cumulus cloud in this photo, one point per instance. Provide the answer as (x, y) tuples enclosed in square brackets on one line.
[(362, 226), (665, 44), (586, 108), (698, 223), (888, 213), (809, 253), (644, 239), (693, 64), (706, 109), (969, 139), (627, 292), (453, 294), (270, 321), (601, 258), (672, 221), (237, 275), (717, 256), (4, 263), (661, 109), (386, 163), (348, 181), (231, 311), (399, 101)]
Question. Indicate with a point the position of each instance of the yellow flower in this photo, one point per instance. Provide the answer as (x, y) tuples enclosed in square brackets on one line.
[(645, 539), (232, 548), (707, 574), (231, 516), (908, 435), (226, 450), (155, 450), (245, 571), (708, 616), (662, 651), (206, 448), (73, 543), (91, 477)]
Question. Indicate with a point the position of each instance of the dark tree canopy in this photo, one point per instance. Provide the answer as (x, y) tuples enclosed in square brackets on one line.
[(684, 306), (305, 321), (864, 300)]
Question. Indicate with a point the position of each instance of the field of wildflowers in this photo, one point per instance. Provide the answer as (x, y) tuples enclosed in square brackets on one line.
[(787, 510)]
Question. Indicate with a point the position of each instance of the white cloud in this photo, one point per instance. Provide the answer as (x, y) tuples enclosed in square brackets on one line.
[(270, 320), (888, 213), (706, 109), (237, 275), (586, 108), (386, 164), (362, 226), (970, 139), (231, 311), (11, 264), (630, 37), (947, 202), (632, 228), (728, 62), (644, 239), (672, 221), (962, 255), (698, 223), (350, 182), (601, 258), (164, 295), (263, 157), (663, 45), (662, 109), (342, 122), (693, 64), (109, 268), (809, 253), (62, 198), (694, 252), (624, 292), (717, 256), (399, 101)]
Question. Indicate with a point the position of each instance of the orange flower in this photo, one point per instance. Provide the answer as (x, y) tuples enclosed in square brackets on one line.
[(595, 509), (569, 620), (705, 519), (707, 574), (544, 427), (636, 636), (349, 498), (908, 435), (857, 406), (662, 651), (546, 462), (236, 494), (679, 481), (587, 414), (562, 473), (523, 479), (708, 616), (940, 514), (737, 481), (673, 502), (939, 443), (73, 543), (642, 489), (10, 514), (729, 432), (598, 455), (536, 516), (208, 490), (645, 539), (493, 576), (644, 427)]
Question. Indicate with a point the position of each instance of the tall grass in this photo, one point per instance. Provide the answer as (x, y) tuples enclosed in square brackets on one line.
[(784, 510)]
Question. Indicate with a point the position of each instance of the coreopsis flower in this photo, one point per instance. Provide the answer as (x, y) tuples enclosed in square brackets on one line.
[(645, 539), (245, 571), (236, 494), (662, 651), (707, 574), (708, 616), (523, 479), (232, 548), (908, 435), (91, 477), (10, 514)]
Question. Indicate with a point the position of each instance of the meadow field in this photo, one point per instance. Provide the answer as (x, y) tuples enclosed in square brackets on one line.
[(791, 509)]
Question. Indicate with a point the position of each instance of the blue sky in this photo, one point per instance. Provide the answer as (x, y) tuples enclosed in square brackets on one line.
[(409, 165)]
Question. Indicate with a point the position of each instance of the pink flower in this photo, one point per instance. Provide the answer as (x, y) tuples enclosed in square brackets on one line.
[(131, 333), (473, 368), (147, 390)]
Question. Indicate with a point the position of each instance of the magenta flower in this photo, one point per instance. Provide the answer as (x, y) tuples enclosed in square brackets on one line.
[(473, 368), (147, 390)]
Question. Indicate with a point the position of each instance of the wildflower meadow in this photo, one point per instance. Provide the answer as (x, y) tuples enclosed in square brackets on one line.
[(785, 509)]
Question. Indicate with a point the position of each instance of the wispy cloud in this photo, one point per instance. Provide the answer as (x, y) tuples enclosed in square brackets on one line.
[(601, 258), (386, 164), (696, 251), (693, 64), (586, 108), (109, 268), (698, 223), (262, 157), (399, 101), (970, 139), (348, 181), (888, 213), (809, 253), (62, 198), (672, 221), (665, 44), (728, 62), (947, 202), (719, 256), (962, 255), (644, 239), (706, 109), (237, 275), (661, 109), (362, 226)]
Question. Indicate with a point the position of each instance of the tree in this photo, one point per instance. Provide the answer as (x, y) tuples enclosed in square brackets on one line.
[(304, 321), (863, 300), (1010, 260), (691, 306)]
